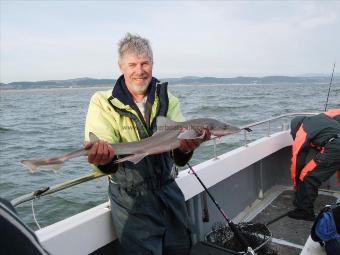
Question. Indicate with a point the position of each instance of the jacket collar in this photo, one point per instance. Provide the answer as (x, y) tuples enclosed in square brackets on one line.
[(121, 92)]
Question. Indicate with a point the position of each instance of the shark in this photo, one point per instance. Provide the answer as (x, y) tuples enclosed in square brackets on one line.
[(167, 137)]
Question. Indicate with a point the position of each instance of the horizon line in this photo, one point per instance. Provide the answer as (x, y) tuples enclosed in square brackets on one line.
[(188, 76)]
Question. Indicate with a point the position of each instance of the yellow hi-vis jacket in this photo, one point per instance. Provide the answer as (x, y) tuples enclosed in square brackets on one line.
[(113, 116)]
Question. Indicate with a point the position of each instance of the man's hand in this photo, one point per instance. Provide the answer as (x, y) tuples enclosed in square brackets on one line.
[(99, 153), (188, 145)]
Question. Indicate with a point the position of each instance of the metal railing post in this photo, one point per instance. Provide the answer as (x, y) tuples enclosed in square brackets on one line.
[(269, 129), (285, 126), (215, 152), (245, 138)]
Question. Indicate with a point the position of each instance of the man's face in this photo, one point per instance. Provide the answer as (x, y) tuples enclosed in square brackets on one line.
[(137, 71)]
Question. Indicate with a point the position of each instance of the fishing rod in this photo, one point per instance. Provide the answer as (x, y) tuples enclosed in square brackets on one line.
[(231, 224), (49, 190), (329, 88)]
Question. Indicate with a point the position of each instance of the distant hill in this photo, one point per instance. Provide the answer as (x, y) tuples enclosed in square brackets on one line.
[(79, 82), (91, 82), (252, 80)]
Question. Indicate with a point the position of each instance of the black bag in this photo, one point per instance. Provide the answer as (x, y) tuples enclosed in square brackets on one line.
[(16, 237), (326, 229)]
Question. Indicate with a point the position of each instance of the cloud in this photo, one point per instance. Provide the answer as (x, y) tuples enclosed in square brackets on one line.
[(58, 40)]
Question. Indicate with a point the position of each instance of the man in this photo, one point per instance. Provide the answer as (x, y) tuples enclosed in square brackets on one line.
[(148, 208), (315, 158)]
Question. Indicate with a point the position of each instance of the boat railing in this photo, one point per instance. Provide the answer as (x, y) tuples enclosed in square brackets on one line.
[(248, 128), (285, 126)]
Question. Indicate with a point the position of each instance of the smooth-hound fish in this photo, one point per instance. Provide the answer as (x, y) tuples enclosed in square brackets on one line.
[(166, 138)]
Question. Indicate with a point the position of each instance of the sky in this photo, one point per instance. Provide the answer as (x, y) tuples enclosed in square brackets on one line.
[(56, 40)]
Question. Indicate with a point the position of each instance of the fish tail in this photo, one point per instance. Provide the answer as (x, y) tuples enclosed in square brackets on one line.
[(30, 165), (56, 167), (33, 165)]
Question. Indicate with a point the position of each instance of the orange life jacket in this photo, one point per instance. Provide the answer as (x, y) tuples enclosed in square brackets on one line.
[(332, 113), (300, 143)]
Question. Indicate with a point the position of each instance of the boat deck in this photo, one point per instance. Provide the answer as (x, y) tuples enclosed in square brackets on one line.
[(289, 235)]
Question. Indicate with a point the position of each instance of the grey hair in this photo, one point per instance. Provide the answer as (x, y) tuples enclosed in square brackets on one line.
[(134, 44)]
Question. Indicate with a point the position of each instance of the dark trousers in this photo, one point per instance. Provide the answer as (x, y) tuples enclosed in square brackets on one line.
[(146, 223), (174, 239), (328, 163)]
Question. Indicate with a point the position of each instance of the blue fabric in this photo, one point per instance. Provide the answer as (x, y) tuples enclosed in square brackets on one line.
[(326, 228)]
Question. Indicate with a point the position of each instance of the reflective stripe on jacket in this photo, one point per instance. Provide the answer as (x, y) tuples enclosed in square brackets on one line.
[(298, 143)]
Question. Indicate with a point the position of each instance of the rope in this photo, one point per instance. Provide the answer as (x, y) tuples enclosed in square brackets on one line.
[(35, 219)]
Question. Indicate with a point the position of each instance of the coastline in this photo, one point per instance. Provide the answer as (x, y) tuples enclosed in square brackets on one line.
[(20, 90), (52, 89), (97, 87)]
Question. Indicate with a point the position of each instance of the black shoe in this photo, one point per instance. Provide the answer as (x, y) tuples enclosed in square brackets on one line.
[(300, 214)]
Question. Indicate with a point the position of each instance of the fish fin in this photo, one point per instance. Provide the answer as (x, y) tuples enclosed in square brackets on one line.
[(165, 124), (93, 137), (56, 167), (29, 164), (135, 158), (203, 134), (190, 134)]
